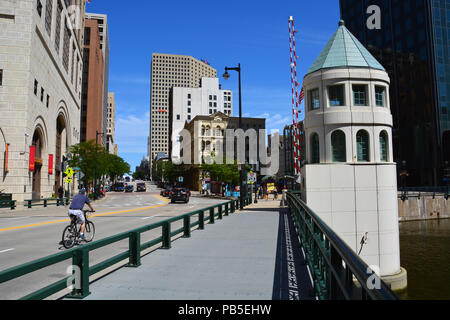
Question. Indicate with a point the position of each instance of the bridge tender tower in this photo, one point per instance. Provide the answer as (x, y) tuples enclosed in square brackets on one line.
[(350, 177)]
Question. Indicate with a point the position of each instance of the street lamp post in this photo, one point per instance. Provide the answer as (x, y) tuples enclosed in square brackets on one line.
[(226, 76), (95, 177)]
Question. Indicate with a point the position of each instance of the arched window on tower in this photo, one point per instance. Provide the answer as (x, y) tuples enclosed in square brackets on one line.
[(384, 147), (315, 148), (362, 146), (338, 146)]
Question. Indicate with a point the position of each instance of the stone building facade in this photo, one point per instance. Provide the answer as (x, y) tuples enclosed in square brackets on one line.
[(40, 94)]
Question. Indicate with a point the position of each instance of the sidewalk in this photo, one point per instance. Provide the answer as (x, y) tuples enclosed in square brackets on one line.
[(249, 255)]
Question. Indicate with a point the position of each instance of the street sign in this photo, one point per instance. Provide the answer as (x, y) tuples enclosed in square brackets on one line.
[(69, 172), (69, 180), (180, 179), (252, 178)]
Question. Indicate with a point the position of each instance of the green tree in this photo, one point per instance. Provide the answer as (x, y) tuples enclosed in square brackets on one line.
[(95, 161)]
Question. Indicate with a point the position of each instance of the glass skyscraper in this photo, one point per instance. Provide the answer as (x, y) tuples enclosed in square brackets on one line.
[(413, 45)]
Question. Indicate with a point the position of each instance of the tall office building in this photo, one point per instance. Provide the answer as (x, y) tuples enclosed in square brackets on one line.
[(169, 71), (93, 85), (111, 123), (413, 45), (102, 20)]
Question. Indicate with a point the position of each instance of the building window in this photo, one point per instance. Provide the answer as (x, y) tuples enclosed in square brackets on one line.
[(178, 117), (384, 157), (360, 95), (189, 110), (189, 96), (362, 146), (189, 103), (66, 48), (314, 100), (58, 27), (1, 77), (380, 94), (48, 101), (336, 95), (42, 94), (48, 16), (315, 148), (338, 147)]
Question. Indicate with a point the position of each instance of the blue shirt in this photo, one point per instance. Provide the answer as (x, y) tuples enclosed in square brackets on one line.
[(79, 201)]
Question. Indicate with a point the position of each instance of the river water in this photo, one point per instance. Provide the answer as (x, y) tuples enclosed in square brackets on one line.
[(425, 254)]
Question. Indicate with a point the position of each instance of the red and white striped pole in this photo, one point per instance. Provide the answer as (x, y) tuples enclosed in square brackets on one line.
[(296, 100), (294, 138)]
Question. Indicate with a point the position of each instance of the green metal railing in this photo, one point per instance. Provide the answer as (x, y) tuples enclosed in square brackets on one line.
[(47, 202), (80, 255), (337, 271)]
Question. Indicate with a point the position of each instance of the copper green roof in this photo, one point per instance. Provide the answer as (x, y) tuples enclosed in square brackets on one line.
[(343, 51)]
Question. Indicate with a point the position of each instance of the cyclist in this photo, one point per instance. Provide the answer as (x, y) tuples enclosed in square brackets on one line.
[(76, 209)]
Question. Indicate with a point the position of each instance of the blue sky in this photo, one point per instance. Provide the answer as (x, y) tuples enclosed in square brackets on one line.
[(253, 33)]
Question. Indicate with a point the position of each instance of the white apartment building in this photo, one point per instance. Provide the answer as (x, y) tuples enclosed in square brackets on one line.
[(187, 103), (40, 95), (170, 71)]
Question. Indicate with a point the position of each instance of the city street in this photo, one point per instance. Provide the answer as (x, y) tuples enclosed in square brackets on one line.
[(30, 234)]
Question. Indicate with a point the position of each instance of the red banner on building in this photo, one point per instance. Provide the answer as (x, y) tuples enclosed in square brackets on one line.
[(6, 158), (50, 164), (32, 161)]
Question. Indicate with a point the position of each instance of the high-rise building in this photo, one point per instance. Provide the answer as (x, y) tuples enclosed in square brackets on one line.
[(187, 103), (169, 71), (40, 95), (102, 20), (412, 43), (111, 123), (92, 97)]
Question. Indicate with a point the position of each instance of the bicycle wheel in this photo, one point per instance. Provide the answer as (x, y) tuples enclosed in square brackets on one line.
[(69, 237), (89, 231)]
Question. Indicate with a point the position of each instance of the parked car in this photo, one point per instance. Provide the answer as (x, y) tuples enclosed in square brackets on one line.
[(140, 187), (119, 187), (179, 194), (166, 192), (129, 188)]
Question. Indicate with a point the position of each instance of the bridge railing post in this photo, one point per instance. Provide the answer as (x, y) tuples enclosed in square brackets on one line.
[(80, 262), (211, 216), (220, 212), (201, 220), (226, 209), (187, 226), (135, 250), (166, 240)]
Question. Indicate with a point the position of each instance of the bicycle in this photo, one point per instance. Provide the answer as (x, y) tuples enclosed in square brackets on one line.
[(71, 233)]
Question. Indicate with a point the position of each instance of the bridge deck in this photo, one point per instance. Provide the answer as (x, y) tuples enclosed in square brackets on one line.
[(253, 255)]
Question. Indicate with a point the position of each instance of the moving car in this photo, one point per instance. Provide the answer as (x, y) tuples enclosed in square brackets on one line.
[(141, 187), (119, 187), (129, 188), (179, 194)]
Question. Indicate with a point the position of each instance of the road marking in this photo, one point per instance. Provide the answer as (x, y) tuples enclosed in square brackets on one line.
[(146, 218), (7, 250), (92, 216)]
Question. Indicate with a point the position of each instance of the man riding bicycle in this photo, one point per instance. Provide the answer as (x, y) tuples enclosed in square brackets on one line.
[(76, 209)]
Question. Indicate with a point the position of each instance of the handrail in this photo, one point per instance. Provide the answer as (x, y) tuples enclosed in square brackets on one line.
[(326, 253), (80, 256)]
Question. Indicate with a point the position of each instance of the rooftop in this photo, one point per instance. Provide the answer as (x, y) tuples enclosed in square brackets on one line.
[(343, 51)]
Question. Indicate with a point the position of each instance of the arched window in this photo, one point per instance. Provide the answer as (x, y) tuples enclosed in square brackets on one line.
[(338, 147), (315, 148), (362, 146), (384, 147), (203, 130)]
